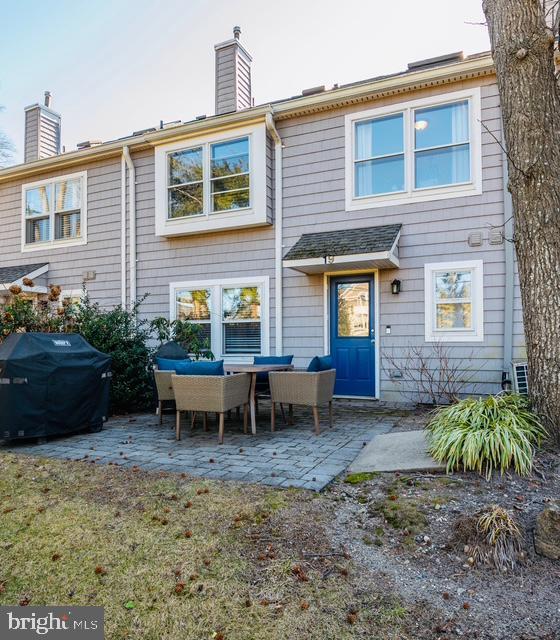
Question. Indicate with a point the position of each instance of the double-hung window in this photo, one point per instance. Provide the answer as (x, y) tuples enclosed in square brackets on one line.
[(233, 313), (199, 184), (454, 301), (54, 212), (214, 182), (422, 150)]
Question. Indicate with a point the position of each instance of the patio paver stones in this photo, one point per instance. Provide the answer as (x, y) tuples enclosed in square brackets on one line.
[(291, 456)]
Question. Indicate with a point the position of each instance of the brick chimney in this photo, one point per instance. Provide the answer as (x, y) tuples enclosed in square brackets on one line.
[(233, 76), (42, 131)]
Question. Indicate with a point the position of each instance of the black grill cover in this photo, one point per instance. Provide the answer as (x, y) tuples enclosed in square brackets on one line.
[(51, 384)]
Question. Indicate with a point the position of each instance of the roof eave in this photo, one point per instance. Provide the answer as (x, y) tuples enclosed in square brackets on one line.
[(393, 85), (136, 143)]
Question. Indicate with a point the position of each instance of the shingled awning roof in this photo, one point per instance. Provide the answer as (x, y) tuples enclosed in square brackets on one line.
[(329, 251), (10, 275)]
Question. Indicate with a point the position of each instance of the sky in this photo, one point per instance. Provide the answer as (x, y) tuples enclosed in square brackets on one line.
[(117, 66)]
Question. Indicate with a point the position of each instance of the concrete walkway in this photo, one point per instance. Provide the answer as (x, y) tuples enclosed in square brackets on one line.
[(289, 457), (404, 451)]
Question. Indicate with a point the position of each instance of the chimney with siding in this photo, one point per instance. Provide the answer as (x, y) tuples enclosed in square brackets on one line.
[(233, 76), (42, 131)]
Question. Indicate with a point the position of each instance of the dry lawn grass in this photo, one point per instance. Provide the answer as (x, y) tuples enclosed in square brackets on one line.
[(174, 558)]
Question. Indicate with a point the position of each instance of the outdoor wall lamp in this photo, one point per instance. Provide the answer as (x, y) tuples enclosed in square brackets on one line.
[(395, 287)]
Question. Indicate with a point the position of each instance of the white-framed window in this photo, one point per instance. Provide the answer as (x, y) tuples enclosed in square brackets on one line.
[(232, 312), (425, 149), (54, 212), (213, 182), (71, 296), (454, 309)]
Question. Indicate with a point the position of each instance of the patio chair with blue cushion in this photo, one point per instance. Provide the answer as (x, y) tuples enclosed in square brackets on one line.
[(311, 388), (163, 368), (199, 389)]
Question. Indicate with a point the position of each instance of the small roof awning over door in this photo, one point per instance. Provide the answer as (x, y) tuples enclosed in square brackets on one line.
[(16, 274), (331, 251)]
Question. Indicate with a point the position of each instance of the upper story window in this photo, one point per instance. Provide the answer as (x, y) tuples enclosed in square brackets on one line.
[(227, 178), (454, 301), (421, 150), (54, 212), (212, 183), (233, 313)]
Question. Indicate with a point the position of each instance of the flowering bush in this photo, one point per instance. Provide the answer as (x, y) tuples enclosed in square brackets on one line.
[(46, 316)]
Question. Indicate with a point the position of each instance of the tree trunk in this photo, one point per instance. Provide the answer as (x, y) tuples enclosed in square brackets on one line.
[(523, 51)]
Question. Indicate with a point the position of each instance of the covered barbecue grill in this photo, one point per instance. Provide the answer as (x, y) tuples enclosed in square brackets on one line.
[(51, 384)]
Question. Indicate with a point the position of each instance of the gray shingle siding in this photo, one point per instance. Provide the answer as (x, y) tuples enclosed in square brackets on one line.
[(313, 201), (433, 231)]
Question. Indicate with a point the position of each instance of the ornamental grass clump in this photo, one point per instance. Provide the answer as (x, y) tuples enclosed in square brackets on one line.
[(492, 536), (486, 434)]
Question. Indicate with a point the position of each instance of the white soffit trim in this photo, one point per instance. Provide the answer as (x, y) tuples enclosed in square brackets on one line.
[(332, 264)]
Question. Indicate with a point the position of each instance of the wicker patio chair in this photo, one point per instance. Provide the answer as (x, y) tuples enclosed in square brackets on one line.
[(309, 389), (214, 394), (164, 390)]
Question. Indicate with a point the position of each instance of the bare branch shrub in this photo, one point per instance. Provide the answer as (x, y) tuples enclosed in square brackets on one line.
[(429, 375)]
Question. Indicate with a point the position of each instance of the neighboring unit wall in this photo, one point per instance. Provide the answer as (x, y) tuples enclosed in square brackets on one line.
[(67, 264), (314, 200)]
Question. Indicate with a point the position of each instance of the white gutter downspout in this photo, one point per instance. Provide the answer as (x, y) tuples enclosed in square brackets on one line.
[(123, 232), (278, 246), (509, 271), (132, 229)]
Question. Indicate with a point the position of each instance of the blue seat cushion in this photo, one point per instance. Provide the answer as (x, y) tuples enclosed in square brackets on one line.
[(201, 368), (262, 378), (166, 364), (320, 363)]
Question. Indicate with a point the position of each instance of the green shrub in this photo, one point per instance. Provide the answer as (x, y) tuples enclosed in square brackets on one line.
[(486, 434), (124, 336)]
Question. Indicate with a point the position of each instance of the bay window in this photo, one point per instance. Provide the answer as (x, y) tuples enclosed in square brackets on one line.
[(233, 313), (216, 181), (54, 212), (416, 151)]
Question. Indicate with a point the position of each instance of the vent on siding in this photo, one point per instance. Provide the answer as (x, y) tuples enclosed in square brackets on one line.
[(521, 377)]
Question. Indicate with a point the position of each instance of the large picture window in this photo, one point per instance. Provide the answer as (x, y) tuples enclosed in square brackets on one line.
[(454, 301), (422, 150), (233, 313), (54, 212)]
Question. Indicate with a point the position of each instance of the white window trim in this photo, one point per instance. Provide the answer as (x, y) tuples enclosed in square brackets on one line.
[(216, 312), (476, 334), (411, 194), (254, 215), (71, 293), (52, 243)]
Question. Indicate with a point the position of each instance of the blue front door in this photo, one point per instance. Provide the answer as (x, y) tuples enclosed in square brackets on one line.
[(353, 334)]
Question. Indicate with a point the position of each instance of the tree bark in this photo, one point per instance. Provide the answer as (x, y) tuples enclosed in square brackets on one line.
[(523, 50)]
